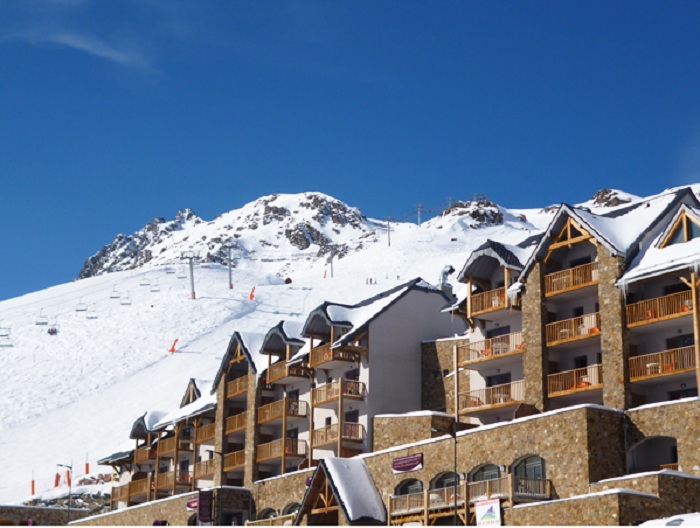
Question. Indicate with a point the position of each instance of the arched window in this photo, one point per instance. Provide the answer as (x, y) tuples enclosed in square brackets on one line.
[(531, 466), (290, 508), (445, 480), (654, 453), (485, 472), (268, 513), (409, 486)]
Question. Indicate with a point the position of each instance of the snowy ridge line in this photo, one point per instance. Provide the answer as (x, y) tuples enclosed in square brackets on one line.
[(614, 491), (650, 473)]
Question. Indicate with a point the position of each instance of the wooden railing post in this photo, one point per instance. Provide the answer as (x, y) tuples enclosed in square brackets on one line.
[(426, 508)]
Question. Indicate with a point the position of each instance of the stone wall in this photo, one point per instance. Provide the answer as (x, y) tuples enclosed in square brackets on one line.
[(278, 492), (606, 445), (614, 343), (437, 385), (535, 358), (679, 420), (21, 515)]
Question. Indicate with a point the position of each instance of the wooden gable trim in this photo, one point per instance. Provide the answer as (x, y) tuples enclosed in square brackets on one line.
[(680, 223), (565, 237), (320, 497)]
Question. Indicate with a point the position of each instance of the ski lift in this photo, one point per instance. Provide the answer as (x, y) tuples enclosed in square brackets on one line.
[(115, 293), (182, 274), (81, 306), (92, 312), (145, 281), (4, 331), (169, 270), (6, 342), (42, 320), (155, 287), (126, 300)]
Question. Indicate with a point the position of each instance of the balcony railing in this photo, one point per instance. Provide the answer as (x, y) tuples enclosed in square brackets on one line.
[(281, 370), (166, 445), (573, 329), (204, 468), (282, 520), (205, 433), (490, 348), (571, 279), (590, 377), (486, 489), (172, 478), (237, 387), (236, 422), (662, 363), (139, 487), (659, 308), (488, 301), (143, 454), (120, 493), (234, 460), (276, 410), (496, 395), (329, 434), (531, 488), (290, 446), (331, 391), (325, 354)]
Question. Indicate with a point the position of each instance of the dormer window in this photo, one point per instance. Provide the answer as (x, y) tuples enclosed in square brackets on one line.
[(685, 229)]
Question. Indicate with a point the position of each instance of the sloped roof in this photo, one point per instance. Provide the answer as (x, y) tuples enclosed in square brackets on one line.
[(506, 255), (621, 230), (353, 487), (204, 403), (283, 333), (146, 424), (357, 317)]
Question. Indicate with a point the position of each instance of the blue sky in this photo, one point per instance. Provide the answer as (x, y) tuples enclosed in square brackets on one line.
[(113, 113)]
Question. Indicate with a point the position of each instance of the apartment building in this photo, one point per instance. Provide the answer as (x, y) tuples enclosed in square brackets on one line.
[(571, 399)]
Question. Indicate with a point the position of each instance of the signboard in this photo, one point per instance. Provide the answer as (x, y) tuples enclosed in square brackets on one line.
[(407, 463), (192, 504), (205, 506), (488, 512)]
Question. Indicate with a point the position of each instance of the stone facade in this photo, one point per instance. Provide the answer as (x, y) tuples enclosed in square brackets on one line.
[(437, 363), (280, 492), (614, 342), (21, 515), (534, 320)]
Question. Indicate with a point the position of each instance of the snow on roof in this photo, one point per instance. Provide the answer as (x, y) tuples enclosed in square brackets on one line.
[(615, 491), (649, 473), (355, 489), (415, 413), (654, 260), (684, 519), (201, 405), (661, 404)]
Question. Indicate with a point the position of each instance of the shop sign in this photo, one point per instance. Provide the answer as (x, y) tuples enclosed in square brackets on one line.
[(488, 512), (407, 463)]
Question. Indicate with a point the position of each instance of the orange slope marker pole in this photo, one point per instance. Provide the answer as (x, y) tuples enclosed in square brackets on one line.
[(252, 294), (172, 348)]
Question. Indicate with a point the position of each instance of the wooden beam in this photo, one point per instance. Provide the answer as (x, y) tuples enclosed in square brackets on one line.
[(696, 327)]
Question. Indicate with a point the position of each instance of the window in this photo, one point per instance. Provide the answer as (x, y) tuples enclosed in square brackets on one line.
[(498, 379), (530, 467), (445, 480), (353, 374), (485, 472), (580, 362), (682, 393), (409, 486)]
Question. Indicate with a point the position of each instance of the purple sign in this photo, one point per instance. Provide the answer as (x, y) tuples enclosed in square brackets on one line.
[(205, 505), (407, 463), (308, 482)]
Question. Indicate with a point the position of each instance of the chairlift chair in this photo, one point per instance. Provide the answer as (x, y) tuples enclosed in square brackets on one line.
[(4, 331), (182, 274), (155, 287), (115, 294), (169, 270), (6, 342), (126, 300), (91, 313), (81, 306), (42, 320), (145, 281)]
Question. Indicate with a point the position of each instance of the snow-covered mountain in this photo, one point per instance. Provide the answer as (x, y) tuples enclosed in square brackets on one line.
[(72, 395)]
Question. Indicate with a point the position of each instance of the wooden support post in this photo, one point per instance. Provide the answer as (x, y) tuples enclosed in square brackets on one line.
[(311, 425), (196, 423), (284, 433), (511, 484), (696, 325), (456, 384), (469, 297), (176, 461), (157, 470), (340, 417), (426, 508), (506, 284)]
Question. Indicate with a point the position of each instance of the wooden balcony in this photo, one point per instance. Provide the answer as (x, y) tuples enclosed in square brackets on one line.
[(236, 422), (235, 460), (237, 387), (139, 487), (352, 432), (664, 363), (490, 348), (144, 454), (587, 378), (573, 329), (496, 396), (488, 489), (172, 478), (324, 354), (330, 392), (205, 433), (571, 279), (531, 489), (277, 410), (120, 493), (166, 446), (205, 468), (659, 309), (282, 520), (280, 371), (291, 447), (489, 301)]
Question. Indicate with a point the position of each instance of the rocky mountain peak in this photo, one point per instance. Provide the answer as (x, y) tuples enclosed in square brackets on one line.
[(608, 198)]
